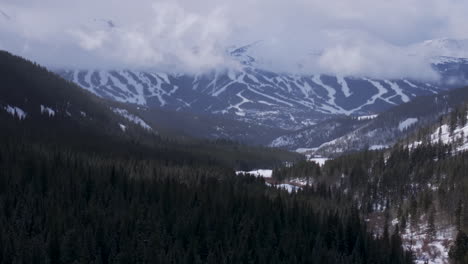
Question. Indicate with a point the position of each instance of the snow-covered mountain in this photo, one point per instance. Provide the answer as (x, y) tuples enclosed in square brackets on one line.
[(45, 106), (272, 99), (252, 95), (339, 135), (443, 47)]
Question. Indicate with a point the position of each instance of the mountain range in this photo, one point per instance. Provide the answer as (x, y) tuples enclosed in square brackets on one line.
[(66, 151), (269, 105)]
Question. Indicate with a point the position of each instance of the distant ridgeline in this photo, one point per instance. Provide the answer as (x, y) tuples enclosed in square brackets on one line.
[(262, 100)]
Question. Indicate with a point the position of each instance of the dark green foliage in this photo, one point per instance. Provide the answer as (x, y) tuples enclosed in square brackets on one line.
[(308, 170), (28, 86), (66, 207), (76, 190), (459, 251), (416, 180)]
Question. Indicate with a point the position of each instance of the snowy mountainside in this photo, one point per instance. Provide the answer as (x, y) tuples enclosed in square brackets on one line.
[(257, 96), (186, 124), (443, 47), (267, 100), (45, 104), (315, 135), (457, 137), (382, 131)]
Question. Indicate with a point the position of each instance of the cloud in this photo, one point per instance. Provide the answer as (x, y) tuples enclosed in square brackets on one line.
[(361, 37)]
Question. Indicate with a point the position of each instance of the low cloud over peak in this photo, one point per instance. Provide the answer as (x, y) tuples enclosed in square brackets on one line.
[(363, 37)]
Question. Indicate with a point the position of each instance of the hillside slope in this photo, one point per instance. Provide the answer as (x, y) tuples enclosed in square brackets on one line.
[(380, 131), (38, 106)]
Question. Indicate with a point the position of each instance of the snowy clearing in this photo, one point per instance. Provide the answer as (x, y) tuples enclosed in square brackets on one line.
[(258, 173), (47, 110), (367, 117), (319, 160), (407, 123), (132, 118), (16, 112)]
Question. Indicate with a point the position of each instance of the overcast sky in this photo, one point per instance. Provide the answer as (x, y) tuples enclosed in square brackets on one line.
[(347, 37)]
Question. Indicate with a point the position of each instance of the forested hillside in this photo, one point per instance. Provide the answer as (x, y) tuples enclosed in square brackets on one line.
[(419, 192), (60, 113), (63, 207), (79, 188)]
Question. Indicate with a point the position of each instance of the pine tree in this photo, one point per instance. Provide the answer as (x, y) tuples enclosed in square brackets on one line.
[(459, 251), (431, 227)]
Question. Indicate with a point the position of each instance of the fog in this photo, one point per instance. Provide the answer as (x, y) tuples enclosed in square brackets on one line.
[(352, 38)]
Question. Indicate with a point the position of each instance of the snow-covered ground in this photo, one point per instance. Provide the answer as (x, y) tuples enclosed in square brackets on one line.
[(15, 112), (435, 250), (258, 173), (47, 110), (319, 160), (407, 123), (293, 185), (367, 117), (459, 137), (305, 150), (132, 118), (288, 187), (378, 147)]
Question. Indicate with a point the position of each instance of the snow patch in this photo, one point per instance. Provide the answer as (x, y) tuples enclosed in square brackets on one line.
[(258, 173), (344, 86), (443, 135), (407, 123), (319, 160), (16, 112), (367, 117), (288, 187), (47, 110), (132, 118), (398, 91), (378, 147), (305, 150)]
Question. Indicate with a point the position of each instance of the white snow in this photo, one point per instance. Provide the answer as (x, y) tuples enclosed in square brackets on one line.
[(16, 112), (459, 137), (270, 97), (47, 110), (240, 111), (344, 86), (124, 128), (288, 187), (381, 91), (319, 160), (282, 141), (367, 117), (403, 125), (425, 249), (132, 118), (305, 150), (258, 173), (378, 147), (410, 83), (265, 103), (332, 107), (398, 91)]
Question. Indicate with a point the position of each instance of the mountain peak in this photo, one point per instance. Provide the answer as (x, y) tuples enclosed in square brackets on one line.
[(445, 47), (241, 53)]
